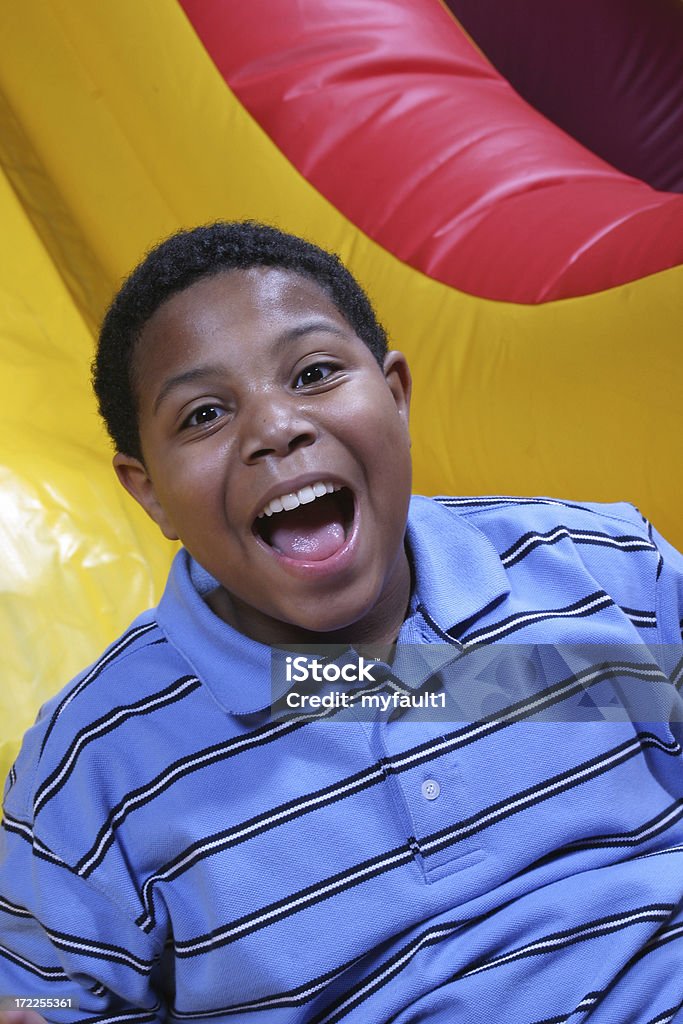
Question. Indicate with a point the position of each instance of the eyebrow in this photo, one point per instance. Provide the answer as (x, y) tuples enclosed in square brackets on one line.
[(307, 327), (210, 371), (197, 374)]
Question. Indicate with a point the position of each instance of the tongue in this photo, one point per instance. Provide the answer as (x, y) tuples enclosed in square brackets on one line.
[(309, 533)]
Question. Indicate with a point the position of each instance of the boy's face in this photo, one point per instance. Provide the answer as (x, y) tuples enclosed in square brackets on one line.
[(252, 386)]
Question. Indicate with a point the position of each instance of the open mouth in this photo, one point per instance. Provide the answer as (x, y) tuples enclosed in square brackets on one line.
[(309, 525)]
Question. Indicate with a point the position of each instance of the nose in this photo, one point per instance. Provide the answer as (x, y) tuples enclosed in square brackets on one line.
[(274, 426)]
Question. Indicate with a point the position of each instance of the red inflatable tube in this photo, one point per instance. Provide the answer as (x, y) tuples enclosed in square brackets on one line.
[(389, 110)]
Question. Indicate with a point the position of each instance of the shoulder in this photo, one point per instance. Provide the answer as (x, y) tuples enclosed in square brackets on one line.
[(509, 522), (117, 686), (516, 526), (108, 736), (498, 513), (544, 539)]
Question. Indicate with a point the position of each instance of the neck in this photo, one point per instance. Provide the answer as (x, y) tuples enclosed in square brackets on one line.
[(378, 628)]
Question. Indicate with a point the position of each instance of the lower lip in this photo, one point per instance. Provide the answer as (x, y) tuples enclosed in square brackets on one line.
[(336, 563)]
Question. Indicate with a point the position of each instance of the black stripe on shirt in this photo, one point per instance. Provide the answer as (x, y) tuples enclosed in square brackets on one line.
[(677, 675), (13, 908), (84, 947), (600, 926), (295, 902), (292, 997), (588, 605), (663, 937), (647, 830), (494, 500), (385, 972), (25, 832), (101, 951), (178, 689), (254, 826), (589, 1002), (536, 703), (644, 619), (40, 971), (196, 761), (528, 542), (666, 1016), (396, 764), (125, 1017), (179, 769), (110, 655), (363, 988), (544, 790), (330, 886), (548, 943)]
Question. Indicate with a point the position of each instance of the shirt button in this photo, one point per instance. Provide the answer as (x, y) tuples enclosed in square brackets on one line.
[(430, 789)]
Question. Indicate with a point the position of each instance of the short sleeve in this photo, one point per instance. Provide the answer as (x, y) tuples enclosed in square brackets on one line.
[(61, 939)]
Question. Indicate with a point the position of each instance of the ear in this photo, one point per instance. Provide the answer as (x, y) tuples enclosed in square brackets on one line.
[(134, 477), (397, 375)]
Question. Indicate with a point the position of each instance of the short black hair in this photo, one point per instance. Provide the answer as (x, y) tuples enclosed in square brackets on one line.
[(187, 257)]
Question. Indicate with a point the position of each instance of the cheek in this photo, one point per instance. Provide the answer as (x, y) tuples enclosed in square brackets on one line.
[(391, 436), (374, 414), (194, 484)]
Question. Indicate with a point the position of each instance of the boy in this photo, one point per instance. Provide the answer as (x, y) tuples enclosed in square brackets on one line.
[(171, 849)]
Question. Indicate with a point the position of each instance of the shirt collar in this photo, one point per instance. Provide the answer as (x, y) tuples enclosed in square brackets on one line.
[(457, 572), (235, 668)]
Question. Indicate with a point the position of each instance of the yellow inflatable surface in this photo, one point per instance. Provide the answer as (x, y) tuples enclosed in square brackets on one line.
[(115, 130)]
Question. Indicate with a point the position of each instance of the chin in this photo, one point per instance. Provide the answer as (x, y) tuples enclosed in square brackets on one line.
[(324, 625)]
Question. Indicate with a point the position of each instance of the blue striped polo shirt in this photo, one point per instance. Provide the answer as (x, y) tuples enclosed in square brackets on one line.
[(171, 850)]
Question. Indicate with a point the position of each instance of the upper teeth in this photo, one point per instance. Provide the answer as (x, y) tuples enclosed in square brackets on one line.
[(286, 502)]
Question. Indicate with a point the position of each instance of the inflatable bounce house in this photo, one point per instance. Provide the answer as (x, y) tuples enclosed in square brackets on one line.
[(502, 177)]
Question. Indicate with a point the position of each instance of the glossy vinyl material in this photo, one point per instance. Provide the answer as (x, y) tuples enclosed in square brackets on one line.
[(116, 128), (396, 117)]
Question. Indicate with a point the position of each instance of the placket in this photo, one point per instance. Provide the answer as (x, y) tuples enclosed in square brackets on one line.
[(430, 786)]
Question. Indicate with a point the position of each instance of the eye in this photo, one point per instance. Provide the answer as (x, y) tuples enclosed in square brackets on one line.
[(313, 374), (203, 415)]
